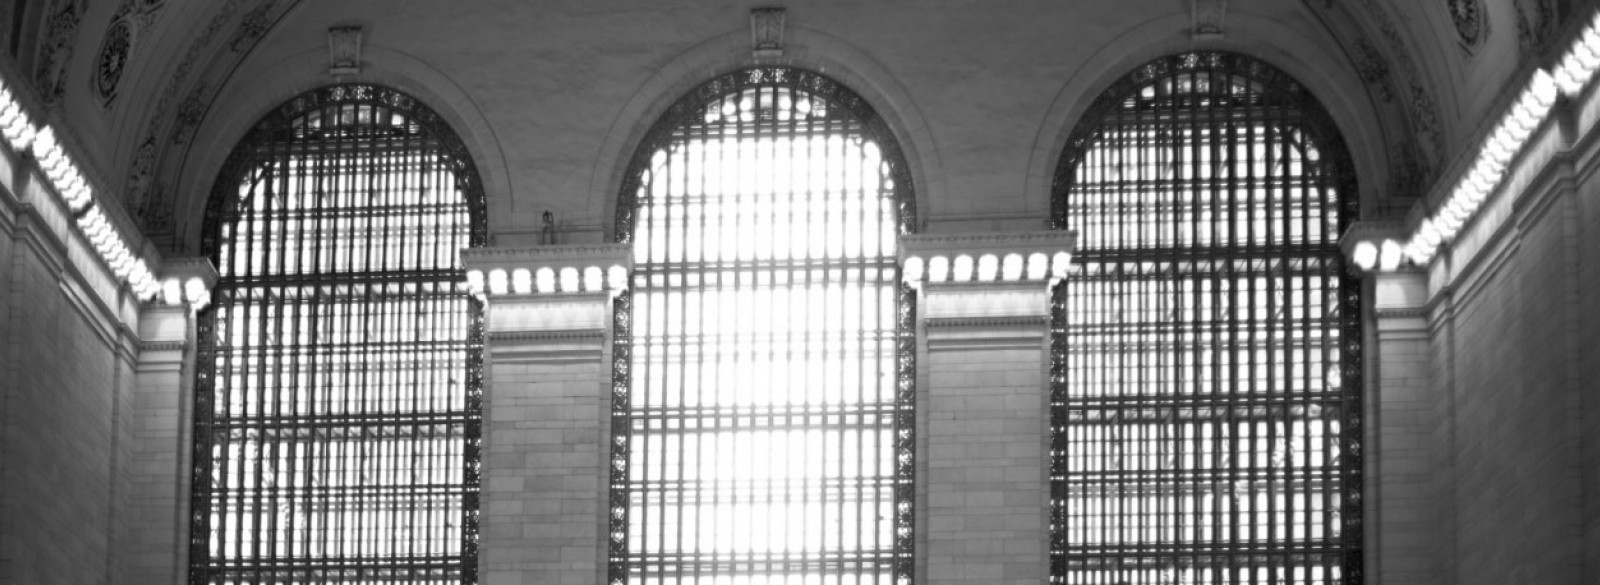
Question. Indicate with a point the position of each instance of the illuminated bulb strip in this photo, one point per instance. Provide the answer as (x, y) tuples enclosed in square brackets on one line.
[(23, 136), (177, 291), (1576, 70), (1036, 266), (545, 280)]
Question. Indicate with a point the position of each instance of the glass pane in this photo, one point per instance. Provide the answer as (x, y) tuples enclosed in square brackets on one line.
[(1199, 406), (339, 397), (765, 438)]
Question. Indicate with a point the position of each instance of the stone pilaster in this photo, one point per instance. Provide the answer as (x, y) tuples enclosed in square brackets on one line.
[(1401, 431), (547, 388), (154, 531), (985, 310)]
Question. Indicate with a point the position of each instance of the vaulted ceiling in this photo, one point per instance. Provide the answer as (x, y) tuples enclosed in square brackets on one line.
[(138, 85)]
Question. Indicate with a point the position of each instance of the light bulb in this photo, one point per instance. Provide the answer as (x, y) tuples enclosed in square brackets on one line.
[(1364, 254), (938, 269), (1011, 267), (545, 280), (521, 281), (912, 269), (497, 281), (988, 267), (961, 268), (1059, 264), (1389, 255), (618, 278)]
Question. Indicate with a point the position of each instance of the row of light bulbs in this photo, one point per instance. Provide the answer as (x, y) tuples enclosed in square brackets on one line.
[(938, 268), (69, 183), (1576, 69), (986, 267), (500, 281)]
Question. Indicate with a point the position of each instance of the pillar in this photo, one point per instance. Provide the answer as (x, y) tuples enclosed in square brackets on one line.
[(547, 387), (985, 316)]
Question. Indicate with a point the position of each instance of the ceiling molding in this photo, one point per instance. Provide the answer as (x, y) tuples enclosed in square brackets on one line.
[(210, 59), (1399, 88)]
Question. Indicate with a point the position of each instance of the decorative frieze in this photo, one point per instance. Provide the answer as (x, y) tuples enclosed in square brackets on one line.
[(997, 257), (766, 31), (344, 50), (55, 48), (986, 290), (1207, 16), (584, 268), (1472, 23), (187, 281)]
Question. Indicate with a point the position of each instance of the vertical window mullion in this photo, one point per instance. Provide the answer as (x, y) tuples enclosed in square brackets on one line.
[(1219, 486), (324, 270), (770, 379)]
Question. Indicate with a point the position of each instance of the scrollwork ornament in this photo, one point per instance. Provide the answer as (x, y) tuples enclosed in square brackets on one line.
[(251, 28), (112, 61), (190, 112), (1471, 22), (55, 48), (1374, 71)]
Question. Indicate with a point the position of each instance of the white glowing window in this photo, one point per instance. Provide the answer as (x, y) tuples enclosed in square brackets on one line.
[(1199, 397), (337, 441), (764, 415)]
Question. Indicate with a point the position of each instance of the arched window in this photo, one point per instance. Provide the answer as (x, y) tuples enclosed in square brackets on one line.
[(338, 403), (1206, 396), (762, 407)]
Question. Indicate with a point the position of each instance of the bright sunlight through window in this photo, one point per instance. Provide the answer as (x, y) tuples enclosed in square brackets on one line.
[(764, 434)]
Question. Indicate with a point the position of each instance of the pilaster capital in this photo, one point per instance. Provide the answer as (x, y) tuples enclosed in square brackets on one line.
[(986, 289), (163, 336), (1040, 257), (537, 270), (186, 281)]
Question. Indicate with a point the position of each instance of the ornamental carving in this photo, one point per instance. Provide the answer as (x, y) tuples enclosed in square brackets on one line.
[(55, 48), (251, 28), (1374, 71), (143, 175), (190, 112), (112, 60), (1429, 140), (1390, 58), (1537, 21), (766, 31), (154, 212), (1471, 21), (1207, 16), (344, 50), (131, 21)]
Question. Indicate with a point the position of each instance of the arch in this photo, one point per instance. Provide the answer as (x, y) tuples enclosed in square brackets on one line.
[(279, 120), (805, 49), (1210, 334), (689, 107), (764, 207), (243, 104), (339, 369), (1323, 70)]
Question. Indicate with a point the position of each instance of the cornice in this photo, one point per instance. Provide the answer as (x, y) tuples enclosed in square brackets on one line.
[(988, 322), (604, 255), (548, 335), (163, 345), (576, 268), (994, 243), (987, 257), (1407, 313)]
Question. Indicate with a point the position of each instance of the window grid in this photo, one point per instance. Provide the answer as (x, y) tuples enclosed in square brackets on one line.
[(1205, 399), (763, 384), (339, 388)]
